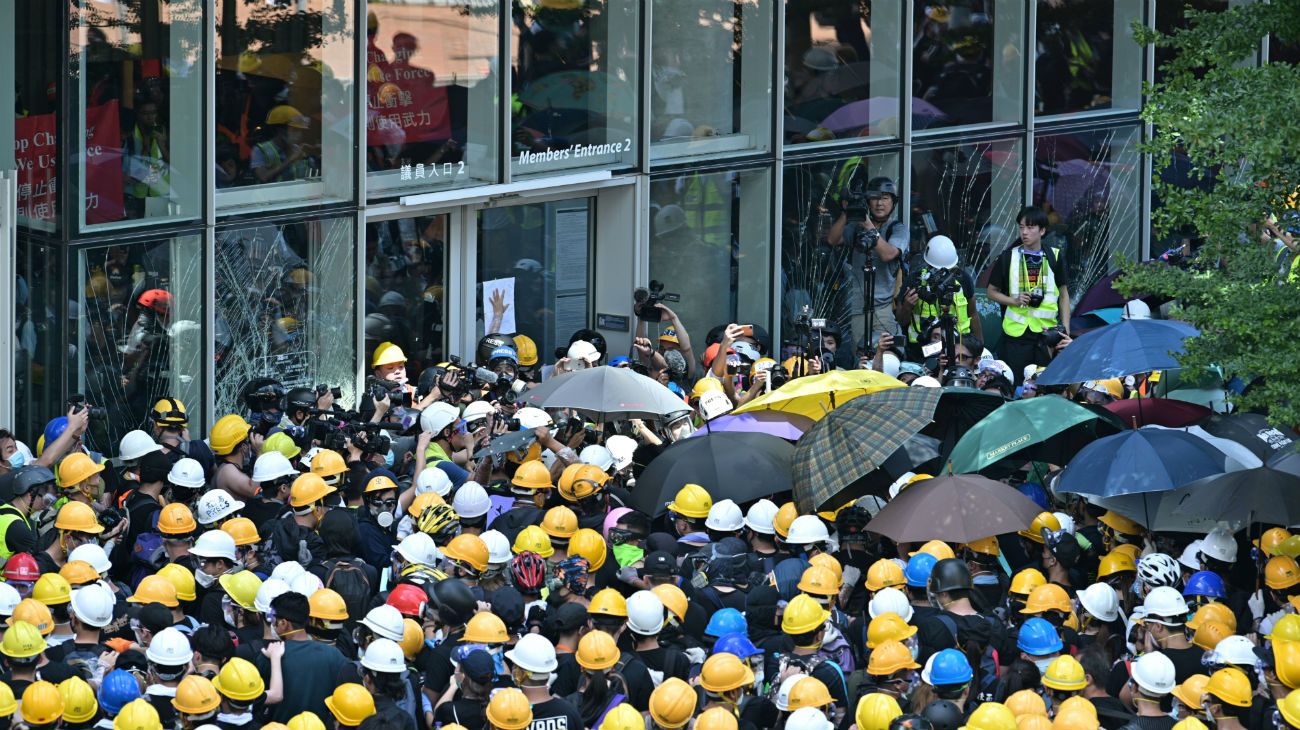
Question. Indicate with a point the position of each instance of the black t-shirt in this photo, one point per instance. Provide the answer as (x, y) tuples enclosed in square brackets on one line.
[(1111, 712), (671, 662), (468, 713), (931, 633), (1001, 273), (566, 674), (513, 521), (261, 511), (1186, 662), (437, 675), (639, 684), (556, 714)]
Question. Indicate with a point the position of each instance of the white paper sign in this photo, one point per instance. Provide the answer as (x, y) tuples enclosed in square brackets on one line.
[(506, 289)]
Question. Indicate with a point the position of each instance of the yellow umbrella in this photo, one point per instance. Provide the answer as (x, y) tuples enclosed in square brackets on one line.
[(816, 395)]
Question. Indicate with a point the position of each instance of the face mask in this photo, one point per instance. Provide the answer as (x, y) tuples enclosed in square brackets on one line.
[(204, 579), (627, 555), (388, 460), (554, 584), (1043, 664), (228, 614), (913, 646), (758, 676), (17, 460)]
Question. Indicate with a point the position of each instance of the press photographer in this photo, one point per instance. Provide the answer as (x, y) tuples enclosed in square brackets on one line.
[(868, 223), (940, 281)]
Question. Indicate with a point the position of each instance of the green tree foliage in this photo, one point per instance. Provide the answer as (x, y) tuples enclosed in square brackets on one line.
[(1236, 125)]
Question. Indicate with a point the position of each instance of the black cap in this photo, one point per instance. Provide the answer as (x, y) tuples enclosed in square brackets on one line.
[(568, 617), (659, 563), (478, 667), (132, 659), (154, 467), (508, 605), (155, 617)]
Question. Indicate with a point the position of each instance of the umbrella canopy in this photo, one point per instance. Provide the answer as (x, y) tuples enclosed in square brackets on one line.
[(1049, 428), (961, 508), (814, 396), (606, 394), (788, 426), (958, 411), (856, 439), (1216, 399), (739, 466), (1287, 460), (1128, 347), (1250, 430), (1261, 495), (1144, 460), (863, 113), (1157, 412), (1103, 295)]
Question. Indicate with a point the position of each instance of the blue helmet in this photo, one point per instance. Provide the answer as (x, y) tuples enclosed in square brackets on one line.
[(738, 644), (119, 688), (947, 667), (1035, 492), (504, 352), (1038, 637), (727, 621), (1205, 583), (918, 569), (54, 429)]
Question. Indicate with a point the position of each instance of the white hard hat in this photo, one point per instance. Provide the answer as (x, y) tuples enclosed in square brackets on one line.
[(926, 381), (136, 444), (187, 473), (582, 353), (622, 448), (1235, 649), (471, 500), (1100, 600), (476, 410), (1155, 673), (308, 455), (806, 530), (93, 605), (1220, 545), (889, 364), (597, 455), (1191, 557), (890, 600), (808, 718), (645, 613), (783, 693), (170, 648), (306, 584), (287, 571), (725, 516), (270, 589), (384, 655), (93, 554), (418, 548), (9, 599), (1164, 602), (903, 480), (760, 516), (534, 653), (215, 544), (498, 546), (437, 417), (214, 506), (530, 418), (271, 466), (385, 621), (941, 253), (1067, 522), (1136, 309), (433, 479)]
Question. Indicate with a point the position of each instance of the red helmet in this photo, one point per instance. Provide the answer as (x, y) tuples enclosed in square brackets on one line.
[(529, 571), (158, 300), (409, 600), (22, 567)]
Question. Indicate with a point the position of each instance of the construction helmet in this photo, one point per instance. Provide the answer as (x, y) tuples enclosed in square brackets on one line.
[(79, 705), (137, 715), (828, 561), (52, 589), (239, 681), (623, 717), (412, 638), (1281, 573), (327, 605), (93, 605), (890, 600), (1192, 690), (408, 599), (1065, 673), (35, 613), (1213, 612), (181, 579), (875, 711), (819, 581), (526, 349), (469, 549), (809, 692), (587, 543), (1038, 637), (1209, 634), (938, 548), (1154, 673), (1100, 600), (1026, 702), (327, 463), (486, 627), (803, 615), (1286, 628), (351, 704), (424, 501), (1048, 597), (608, 602), (674, 599), (985, 546), (725, 672), (1043, 520), (597, 651), (195, 695), (22, 640), (692, 501), (510, 709), (533, 539), (1288, 706), (1121, 524), (387, 622), (243, 530), (1116, 561), (807, 530), (387, 354), (42, 703), (309, 488), (176, 519), (991, 716), (890, 657), (308, 721), (672, 704), (717, 718), (885, 573), (785, 516), (560, 522), (888, 627), (79, 573), (580, 481), (281, 444), (76, 468), (77, 516), (156, 589), (228, 433), (532, 475), (1231, 686), (1286, 661), (22, 567)]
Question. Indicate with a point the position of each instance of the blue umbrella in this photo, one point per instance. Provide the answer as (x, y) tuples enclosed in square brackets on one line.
[(1140, 461), (1125, 348)]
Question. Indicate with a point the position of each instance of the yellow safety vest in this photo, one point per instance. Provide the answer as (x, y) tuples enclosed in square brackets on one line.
[(1017, 318), (9, 515), (925, 310)]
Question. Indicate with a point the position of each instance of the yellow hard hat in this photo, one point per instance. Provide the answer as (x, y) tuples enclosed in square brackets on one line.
[(587, 543), (176, 519), (938, 548), (242, 587), (309, 489), (155, 589), (608, 602), (1121, 524), (888, 626), (1116, 561), (379, 483), (560, 523), (724, 672), (875, 711), (387, 354), (1230, 685), (706, 385), (1192, 690), (1024, 582), (714, 718), (8, 703), (985, 546), (412, 638), (674, 599), (79, 705), (819, 581), (533, 539), (1048, 597), (351, 704), (469, 549), (52, 589), (327, 605), (22, 640), (890, 657), (195, 695), (42, 703), (1065, 673), (1133, 551), (423, 502), (1210, 633), (1043, 520), (1075, 720), (991, 716), (1033, 722), (1213, 612), (328, 463), (623, 717), (76, 468), (32, 611), (306, 721), (486, 627), (1281, 573), (228, 433), (1286, 628), (526, 349), (809, 692), (240, 681), (829, 562), (692, 501), (1289, 706), (510, 709), (885, 573), (1026, 702), (287, 324), (1267, 542), (1286, 662), (169, 412), (77, 516), (597, 651), (243, 530), (802, 615), (785, 517), (78, 573), (181, 579), (137, 714), (579, 481), (672, 704), (283, 443), (290, 116), (532, 475)]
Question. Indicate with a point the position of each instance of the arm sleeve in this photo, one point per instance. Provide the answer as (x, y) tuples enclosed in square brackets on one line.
[(1060, 268), (998, 275), (20, 538)]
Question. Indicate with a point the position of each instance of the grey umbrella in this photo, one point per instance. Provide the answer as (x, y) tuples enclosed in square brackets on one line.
[(606, 394)]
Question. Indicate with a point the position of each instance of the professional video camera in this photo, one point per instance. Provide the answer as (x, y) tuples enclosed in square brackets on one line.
[(378, 388), (502, 387), (856, 196), (349, 426), (645, 301), (938, 286)]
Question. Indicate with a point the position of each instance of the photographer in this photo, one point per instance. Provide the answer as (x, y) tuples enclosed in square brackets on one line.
[(868, 224), (1032, 284), (671, 337), (939, 282)]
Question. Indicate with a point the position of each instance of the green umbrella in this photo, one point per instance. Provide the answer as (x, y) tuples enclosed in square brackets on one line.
[(855, 439), (1048, 428)]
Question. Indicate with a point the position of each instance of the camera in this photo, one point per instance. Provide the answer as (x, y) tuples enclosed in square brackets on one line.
[(645, 301), (111, 517), (322, 389), (77, 403), (397, 396), (1052, 337), (938, 285), (1035, 296)]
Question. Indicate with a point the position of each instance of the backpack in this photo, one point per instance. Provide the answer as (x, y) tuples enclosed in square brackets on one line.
[(788, 665), (351, 582), (983, 660), (147, 556)]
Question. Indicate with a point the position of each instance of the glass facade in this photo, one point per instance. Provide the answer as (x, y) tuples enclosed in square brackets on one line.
[(1085, 58), (42, 338), (970, 193), (967, 63), (406, 294)]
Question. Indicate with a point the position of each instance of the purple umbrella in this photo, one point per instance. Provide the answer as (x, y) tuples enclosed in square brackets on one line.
[(860, 114), (788, 426), (1102, 295)]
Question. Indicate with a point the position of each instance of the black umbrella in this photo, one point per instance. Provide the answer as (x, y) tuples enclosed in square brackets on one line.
[(959, 409), (737, 466), (506, 443), (1250, 430)]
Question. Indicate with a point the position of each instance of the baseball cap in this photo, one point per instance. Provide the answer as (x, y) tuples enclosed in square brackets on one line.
[(659, 562), (568, 617), (478, 666), (154, 467)]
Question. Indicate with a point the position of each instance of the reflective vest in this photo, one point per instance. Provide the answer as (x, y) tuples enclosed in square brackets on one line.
[(138, 159), (926, 311), (271, 154), (9, 514), (1018, 318)]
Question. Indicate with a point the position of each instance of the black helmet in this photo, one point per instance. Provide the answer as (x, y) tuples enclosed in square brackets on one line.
[(949, 574), (300, 399), (878, 186), (455, 603), (910, 721), (596, 339), (29, 477), (851, 521), (943, 715), (960, 376), (490, 342), (262, 394)]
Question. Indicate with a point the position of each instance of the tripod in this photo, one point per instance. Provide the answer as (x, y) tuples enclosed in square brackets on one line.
[(948, 325)]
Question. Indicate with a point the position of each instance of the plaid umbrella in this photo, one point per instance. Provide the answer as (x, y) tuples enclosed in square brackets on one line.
[(961, 508), (855, 439)]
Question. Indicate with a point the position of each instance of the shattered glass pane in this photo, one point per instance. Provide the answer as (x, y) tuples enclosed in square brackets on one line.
[(406, 296), (40, 353), (285, 307), (140, 333)]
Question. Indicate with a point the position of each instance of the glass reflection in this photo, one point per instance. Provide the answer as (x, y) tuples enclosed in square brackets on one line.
[(1086, 57), (966, 62), (41, 349), (406, 288)]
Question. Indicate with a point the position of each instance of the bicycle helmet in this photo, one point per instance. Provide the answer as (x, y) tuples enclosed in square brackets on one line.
[(1158, 569), (528, 569)]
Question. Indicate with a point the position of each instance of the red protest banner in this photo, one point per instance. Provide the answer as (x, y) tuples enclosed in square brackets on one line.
[(103, 168), (36, 153)]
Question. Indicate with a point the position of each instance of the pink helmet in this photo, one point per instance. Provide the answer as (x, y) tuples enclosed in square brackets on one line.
[(612, 519)]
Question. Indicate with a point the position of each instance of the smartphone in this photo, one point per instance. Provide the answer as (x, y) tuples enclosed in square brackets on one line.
[(747, 330), (932, 349)]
